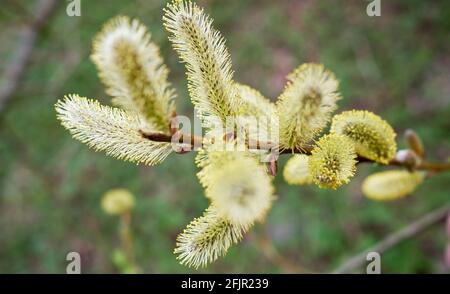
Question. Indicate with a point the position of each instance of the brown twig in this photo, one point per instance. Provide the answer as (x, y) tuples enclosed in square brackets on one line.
[(176, 138), (393, 239), (16, 69), (197, 141)]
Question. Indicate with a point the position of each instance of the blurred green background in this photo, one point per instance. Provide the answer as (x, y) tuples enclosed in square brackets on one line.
[(396, 65)]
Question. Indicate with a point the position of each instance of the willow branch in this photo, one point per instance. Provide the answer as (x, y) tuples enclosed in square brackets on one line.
[(390, 241), (198, 142), (183, 138)]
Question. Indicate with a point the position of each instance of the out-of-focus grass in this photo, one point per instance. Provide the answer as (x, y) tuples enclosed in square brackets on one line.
[(396, 65)]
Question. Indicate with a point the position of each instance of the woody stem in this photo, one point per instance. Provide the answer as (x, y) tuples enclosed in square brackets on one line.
[(198, 142)]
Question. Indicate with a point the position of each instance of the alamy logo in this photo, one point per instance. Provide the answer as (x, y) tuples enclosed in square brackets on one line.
[(374, 267), (74, 8), (74, 266), (374, 8)]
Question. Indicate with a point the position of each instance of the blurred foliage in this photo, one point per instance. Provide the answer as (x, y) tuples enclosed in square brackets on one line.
[(396, 65)]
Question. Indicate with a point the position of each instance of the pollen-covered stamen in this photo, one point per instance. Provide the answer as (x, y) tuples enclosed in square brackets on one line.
[(329, 175), (332, 161), (360, 133)]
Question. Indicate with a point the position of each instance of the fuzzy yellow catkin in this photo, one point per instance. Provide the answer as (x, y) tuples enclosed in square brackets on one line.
[(109, 129), (373, 137), (207, 238), (237, 185), (132, 69), (332, 162), (391, 185), (306, 104), (241, 191), (208, 64), (117, 201), (296, 170)]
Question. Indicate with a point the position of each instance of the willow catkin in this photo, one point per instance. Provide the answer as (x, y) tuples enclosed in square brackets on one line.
[(373, 137), (208, 63), (109, 129), (117, 201), (133, 71), (241, 190), (207, 238), (237, 185), (332, 161), (391, 185), (306, 104), (296, 170)]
